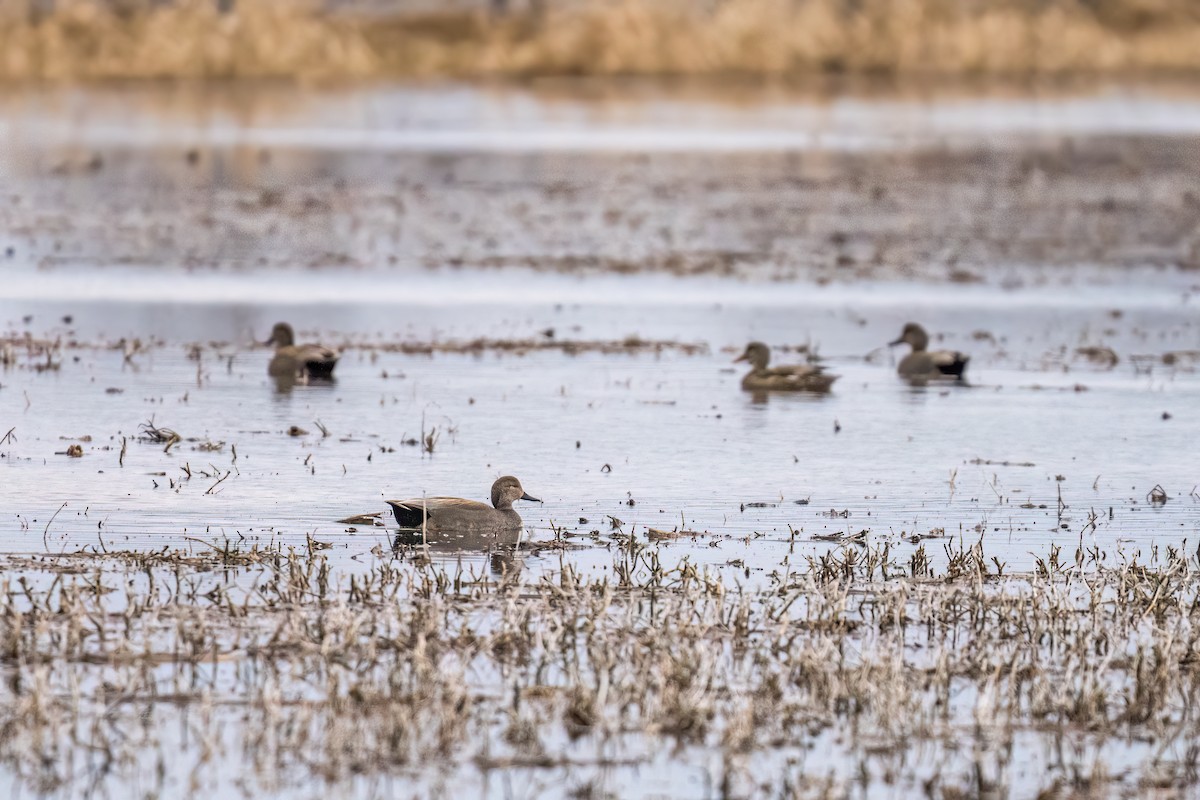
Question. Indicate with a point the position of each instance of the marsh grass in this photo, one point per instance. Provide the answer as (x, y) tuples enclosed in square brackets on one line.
[(93, 39), (99, 39), (951, 678)]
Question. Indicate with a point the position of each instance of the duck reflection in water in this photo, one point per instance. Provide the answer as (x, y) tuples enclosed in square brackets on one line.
[(502, 548)]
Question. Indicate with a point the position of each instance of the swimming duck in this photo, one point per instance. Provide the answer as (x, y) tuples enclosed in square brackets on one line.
[(292, 360), (793, 378), (923, 364), (441, 514)]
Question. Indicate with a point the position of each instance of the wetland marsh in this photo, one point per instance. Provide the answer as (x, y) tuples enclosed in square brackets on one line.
[(984, 588)]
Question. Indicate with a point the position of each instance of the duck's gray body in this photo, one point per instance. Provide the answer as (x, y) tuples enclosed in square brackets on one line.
[(923, 364), (454, 514)]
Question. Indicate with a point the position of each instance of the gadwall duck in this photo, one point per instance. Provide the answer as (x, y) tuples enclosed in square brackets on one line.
[(923, 364), (792, 378), (292, 360), (441, 514)]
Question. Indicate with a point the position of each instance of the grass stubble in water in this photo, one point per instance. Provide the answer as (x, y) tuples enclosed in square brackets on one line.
[(258, 670)]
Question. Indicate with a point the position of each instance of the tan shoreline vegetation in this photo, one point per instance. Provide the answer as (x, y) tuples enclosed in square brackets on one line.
[(106, 39)]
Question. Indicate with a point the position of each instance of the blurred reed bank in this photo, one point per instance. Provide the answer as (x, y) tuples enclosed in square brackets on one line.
[(94, 39)]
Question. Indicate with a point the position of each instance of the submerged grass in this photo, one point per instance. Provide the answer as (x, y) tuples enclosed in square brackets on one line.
[(97, 39), (955, 681)]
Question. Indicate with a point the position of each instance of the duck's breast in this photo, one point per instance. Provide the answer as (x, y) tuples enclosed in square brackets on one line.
[(917, 365), (283, 363)]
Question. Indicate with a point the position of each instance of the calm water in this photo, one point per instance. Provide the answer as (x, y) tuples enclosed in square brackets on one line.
[(113, 223), (587, 433)]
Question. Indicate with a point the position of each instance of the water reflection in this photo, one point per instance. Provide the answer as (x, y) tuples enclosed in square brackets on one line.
[(285, 383), (500, 548), (762, 397)]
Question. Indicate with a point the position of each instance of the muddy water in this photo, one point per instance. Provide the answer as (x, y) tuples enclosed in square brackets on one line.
[(571, 179)]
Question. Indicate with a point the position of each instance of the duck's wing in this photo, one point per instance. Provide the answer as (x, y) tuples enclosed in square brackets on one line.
[(317, 357), (800, 376), (820, 381), (413, 513), (949, 362), (795, 371), (318, 352)]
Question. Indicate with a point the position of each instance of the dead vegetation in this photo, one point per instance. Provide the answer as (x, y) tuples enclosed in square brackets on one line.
[(924, 671), (1103, 357), (164, 436), (105, 39), (629, 345), (41, 351)]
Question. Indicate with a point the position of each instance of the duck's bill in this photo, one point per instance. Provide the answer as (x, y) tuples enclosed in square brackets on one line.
[(742, 357), (530, 498), (898, 341)]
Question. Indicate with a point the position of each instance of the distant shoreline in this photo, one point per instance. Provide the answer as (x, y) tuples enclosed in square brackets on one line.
[(778, 39)]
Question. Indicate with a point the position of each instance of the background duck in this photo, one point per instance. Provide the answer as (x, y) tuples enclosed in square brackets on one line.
[(292, 360), (791, 378), (925, 364)]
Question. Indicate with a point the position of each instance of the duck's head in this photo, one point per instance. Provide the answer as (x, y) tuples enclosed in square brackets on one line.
[(757, 353), (507, 490), (914, 335), (281, 335)]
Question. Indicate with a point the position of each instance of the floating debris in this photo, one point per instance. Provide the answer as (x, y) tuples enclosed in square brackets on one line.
[(158, 435), (1104, 357), (854, 538), (363, 519), (657, 534), (1006, 463)]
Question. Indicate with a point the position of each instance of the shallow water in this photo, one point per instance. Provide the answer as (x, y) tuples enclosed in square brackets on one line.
[(583, 116), (673, 432), (116, 232), (802, 186)]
